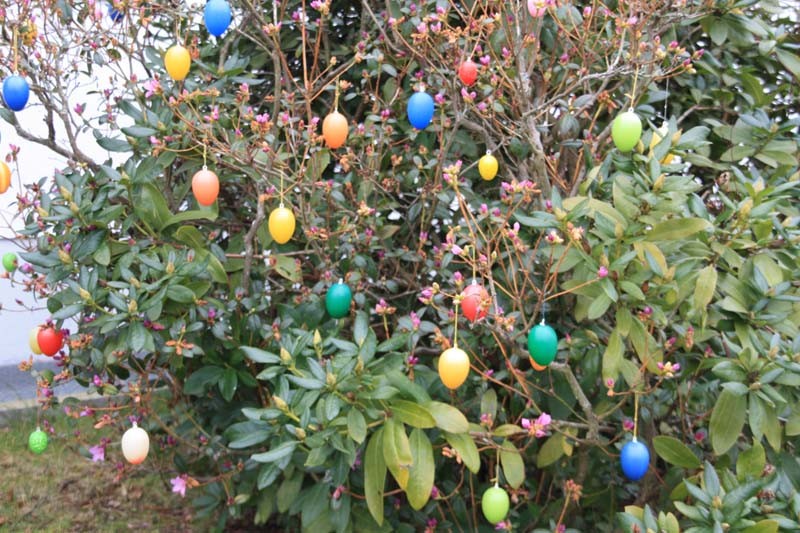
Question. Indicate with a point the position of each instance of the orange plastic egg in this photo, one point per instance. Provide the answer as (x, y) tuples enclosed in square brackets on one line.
[(281, 224), (205, 186), (177, 60), (5, 177), (334, 130), (453, 367)]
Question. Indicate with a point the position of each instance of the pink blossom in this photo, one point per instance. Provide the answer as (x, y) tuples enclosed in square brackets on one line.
[(537, 428), (627, 424), (602, 272), (179, 485), (415, 320), (439, 98), (98, 453)]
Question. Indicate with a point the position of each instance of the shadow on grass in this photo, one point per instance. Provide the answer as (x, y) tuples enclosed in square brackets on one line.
[(63, 490)]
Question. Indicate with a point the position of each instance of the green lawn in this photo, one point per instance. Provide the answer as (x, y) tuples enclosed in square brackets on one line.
[(63, 490)]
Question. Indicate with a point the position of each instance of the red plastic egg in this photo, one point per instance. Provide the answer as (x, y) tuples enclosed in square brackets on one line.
[(50, 340), (474, 302), (468, 72)]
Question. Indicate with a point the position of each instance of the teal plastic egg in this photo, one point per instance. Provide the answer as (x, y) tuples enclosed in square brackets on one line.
[(543, 344), (337, 300)]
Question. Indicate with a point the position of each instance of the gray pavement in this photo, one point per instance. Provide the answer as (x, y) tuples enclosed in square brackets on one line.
[(16, 386)]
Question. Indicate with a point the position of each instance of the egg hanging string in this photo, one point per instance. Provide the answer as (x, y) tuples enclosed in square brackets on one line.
[(455, 328), (336, 97), (205, 148), (635, 414), (16, 51)]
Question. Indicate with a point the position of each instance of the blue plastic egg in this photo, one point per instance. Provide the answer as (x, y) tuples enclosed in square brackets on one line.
[(16, 92), (635, 460), (217, 16), (420, 110), (115, 14)]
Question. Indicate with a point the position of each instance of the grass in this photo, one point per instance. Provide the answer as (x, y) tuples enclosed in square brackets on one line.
[(63, 490)]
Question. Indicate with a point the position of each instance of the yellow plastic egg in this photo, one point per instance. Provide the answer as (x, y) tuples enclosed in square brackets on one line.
[(135, 445), (33, 341), (453, 367), (281, 224), (487, 166), (5, 177), (178, 60)]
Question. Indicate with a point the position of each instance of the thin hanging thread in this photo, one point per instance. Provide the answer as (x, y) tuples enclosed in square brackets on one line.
[(455, 329), (336, 97), (666, 101), (635, 414), (281, 204), (474, 265), (16, 51), (633, 91), (177, 30), (205, 147)]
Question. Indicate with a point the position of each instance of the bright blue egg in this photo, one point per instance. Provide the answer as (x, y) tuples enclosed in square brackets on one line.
[(635, 460), (420, 110), (115, 14), (16, 92), (217, 16)]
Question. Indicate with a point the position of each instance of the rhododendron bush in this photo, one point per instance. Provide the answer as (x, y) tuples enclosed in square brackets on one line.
[(666, 271)]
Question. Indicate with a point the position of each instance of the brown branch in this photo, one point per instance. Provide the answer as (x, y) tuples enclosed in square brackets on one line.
[(248, 242)]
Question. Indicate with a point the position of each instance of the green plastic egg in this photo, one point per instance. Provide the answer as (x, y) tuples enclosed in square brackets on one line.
[(626, 131), (337, 300), (495, 504), (543, 344), (37, 442), (10, 262)]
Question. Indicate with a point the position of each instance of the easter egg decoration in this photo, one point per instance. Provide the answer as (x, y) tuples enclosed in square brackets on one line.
[(50, 340), (10, 262), (474, 301), (536, 366), (177, 61), (135, 445), (334, 130), (37, 441), (635, 460), (205, 187), (16, 92), (281, 224), (453, 367), (495, 504), (337, 299), (487, 166), (5, 177), (33, 341), (468, 72), (116, 15), (542, 344), (217, 17), (420, 110), (626, 131)]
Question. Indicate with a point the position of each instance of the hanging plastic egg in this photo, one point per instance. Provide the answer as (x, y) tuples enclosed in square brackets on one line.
[(626, 131), (474, 302), (453, 367), (37, 441), (334, 130), (10, 261), (50, 340), (205, 187), (33, 341), (635, 460), (543, 344), (5, 177), (536, 366), (281, 224), (420, 110), (468, 72), (135, 445), (337, 300), (177, 60), (495, 504), (115, 14), (217, 16), (16, 92), (487, 166)]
